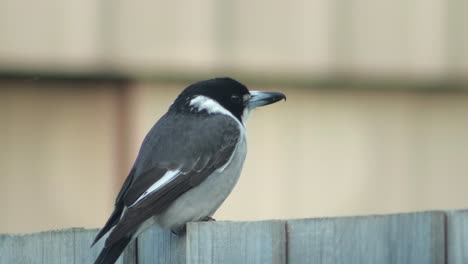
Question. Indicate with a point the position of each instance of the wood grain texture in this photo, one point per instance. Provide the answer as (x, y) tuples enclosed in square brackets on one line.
[(129, 256), (457, 237), (55, 247), (401, 238), (83, 240), (161, 246), (52, 247), (85, 254), (236, 242)]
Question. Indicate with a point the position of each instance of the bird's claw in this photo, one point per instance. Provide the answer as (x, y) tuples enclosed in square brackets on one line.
[(208, 219)]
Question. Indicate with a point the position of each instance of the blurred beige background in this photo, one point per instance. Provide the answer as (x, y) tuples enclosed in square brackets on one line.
[(376, 119)]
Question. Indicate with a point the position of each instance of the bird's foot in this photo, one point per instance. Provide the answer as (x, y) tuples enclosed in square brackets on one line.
[(181, 230), (208, 219)]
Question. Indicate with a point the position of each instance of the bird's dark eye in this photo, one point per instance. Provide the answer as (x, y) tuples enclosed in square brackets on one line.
[(236, 99)]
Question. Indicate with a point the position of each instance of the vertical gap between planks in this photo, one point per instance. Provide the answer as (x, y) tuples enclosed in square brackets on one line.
[(446, 238), (74, 245), (42, 247), (286, 242)]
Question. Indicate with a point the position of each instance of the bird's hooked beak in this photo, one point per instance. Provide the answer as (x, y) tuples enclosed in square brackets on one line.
[(258, 98)]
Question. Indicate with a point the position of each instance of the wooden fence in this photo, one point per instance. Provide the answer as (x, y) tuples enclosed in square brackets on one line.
[(425, 237)]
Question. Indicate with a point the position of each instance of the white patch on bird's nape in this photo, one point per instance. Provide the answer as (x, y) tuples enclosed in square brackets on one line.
[(165, 179), (201, 103)]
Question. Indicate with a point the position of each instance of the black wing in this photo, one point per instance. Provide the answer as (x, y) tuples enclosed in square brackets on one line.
[(198, 146)]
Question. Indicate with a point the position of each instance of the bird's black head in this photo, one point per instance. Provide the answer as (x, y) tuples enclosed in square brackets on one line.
[(222, 96)]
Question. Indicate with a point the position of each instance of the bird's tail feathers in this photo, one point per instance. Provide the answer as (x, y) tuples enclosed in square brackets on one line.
[(111, 222), (111, 253)]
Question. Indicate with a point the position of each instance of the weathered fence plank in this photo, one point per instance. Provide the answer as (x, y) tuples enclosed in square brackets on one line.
[(83, 252), (236, 242), (161, 246), (55, 247), (427, 237), (457, 237), (401, 238)]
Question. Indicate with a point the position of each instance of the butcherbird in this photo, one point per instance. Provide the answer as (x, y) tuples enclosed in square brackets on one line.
[(188, 163)]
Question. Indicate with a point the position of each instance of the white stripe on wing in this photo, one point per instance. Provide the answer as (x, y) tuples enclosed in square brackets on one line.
[(168, 177)]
